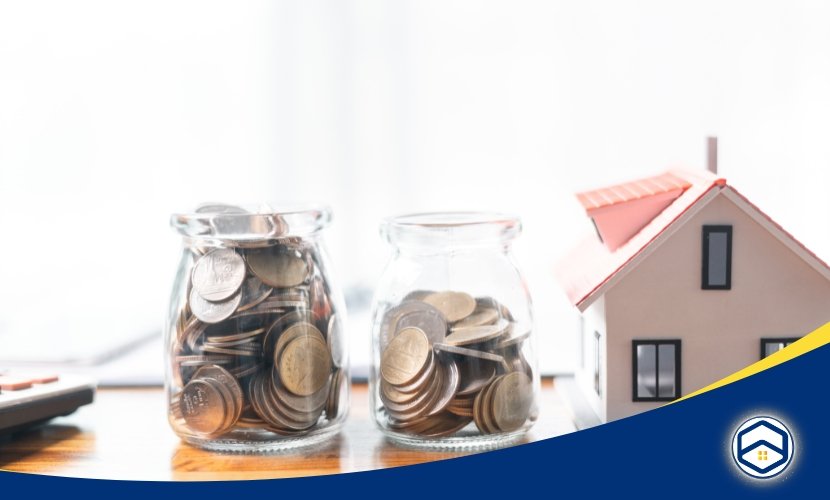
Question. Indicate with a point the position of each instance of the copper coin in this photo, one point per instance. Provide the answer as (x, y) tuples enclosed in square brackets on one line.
[(218, 274), (405, 357), (305, 365), (455, 306)]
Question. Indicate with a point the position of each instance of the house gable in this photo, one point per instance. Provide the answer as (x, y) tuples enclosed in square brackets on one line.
[(778, 290)]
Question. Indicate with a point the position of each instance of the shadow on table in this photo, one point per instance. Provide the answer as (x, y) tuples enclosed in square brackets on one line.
[(42, 440)]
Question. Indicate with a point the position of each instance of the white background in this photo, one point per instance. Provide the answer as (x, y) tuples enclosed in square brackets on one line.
[(115, 114)]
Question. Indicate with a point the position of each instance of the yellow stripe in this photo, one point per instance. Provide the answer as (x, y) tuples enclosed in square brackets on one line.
[(814, 340)]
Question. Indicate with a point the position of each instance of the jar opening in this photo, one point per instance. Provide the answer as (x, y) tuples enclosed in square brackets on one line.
[(458, 228), (248, 223)]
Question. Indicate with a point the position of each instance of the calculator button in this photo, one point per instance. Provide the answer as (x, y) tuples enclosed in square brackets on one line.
[(9, 383), (47, 378)]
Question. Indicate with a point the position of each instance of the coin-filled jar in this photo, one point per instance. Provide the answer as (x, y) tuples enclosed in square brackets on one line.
[(453, 358), (255, 341)]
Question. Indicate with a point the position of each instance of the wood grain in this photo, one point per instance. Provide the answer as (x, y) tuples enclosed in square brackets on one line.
[(124, 435)]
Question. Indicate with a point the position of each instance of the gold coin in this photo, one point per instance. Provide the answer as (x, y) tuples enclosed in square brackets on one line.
[(277, 267), (455, 306), (477, 334), (292, 332), (512, 400), (405, 357), (480, 317), (305, 365)]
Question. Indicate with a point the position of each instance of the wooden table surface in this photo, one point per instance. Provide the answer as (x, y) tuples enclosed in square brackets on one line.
[(124, 435)]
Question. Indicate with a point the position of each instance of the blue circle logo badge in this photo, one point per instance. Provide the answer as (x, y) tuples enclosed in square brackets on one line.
[(763, 447)]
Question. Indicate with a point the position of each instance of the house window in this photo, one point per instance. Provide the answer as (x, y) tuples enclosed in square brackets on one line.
[(717, 258), (771, 346), (597, 364), (656, 370)]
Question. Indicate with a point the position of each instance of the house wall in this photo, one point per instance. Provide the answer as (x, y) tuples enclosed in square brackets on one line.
[(593, 320), (774, 293)]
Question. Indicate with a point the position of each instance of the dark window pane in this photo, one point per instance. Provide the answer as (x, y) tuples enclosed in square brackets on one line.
[(666, 377), (646, 371), (717, 259)]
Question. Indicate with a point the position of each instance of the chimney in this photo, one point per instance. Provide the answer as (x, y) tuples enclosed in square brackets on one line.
[(712, 154)]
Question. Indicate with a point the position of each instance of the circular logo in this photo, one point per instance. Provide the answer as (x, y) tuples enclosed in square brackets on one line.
[(763, 447)]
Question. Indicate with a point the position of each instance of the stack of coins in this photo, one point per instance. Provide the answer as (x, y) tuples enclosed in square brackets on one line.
[(449, 359), (257, 342)]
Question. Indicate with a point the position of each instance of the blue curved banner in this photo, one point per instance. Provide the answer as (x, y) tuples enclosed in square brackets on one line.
[(774, 421)]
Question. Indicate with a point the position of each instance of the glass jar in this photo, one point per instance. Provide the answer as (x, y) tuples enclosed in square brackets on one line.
[(256, 350), (453, 358)]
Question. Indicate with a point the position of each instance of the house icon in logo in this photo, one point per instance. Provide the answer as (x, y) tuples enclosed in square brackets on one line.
[(762, 447)]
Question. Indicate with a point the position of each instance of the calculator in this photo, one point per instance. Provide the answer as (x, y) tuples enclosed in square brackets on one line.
[(28, 399)]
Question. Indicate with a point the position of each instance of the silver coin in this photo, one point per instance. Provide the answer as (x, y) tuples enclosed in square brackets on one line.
[(335, 341), (413, 313), (213, 312), (218, 274), (219, 208)]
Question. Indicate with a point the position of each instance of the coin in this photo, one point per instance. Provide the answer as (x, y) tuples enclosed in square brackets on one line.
[(405, 356), (202, 407), (212, 312), (463, 378), (475, 374), (338, 384), (513, 340), (474, 353), (454, 306), (481, 317), (305, 365), (416, 314), (254, 291), (258, 357), (449, 388), (218, 274), (477, 334), (339, 355), (280, 269), (512, 400)]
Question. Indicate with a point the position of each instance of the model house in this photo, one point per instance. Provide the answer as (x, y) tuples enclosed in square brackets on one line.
[(685, 282)]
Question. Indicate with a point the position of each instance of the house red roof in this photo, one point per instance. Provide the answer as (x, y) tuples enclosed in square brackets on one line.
[(592, 266), (630, 191)]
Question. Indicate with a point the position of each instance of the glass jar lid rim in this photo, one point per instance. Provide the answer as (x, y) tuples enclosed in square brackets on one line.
[(251, 222), (442, 220), (428, 229)]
